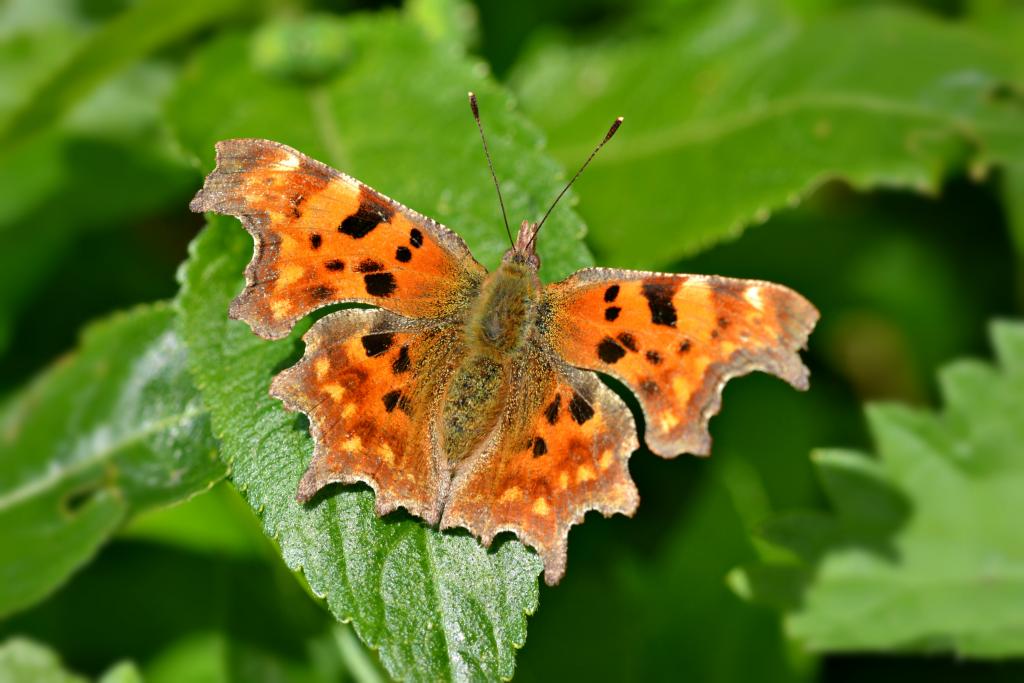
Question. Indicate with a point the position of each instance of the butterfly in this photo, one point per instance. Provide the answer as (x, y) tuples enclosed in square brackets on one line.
[(471, 398)]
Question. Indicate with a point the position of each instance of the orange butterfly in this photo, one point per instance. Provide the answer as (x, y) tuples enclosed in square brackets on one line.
[(466, 397)]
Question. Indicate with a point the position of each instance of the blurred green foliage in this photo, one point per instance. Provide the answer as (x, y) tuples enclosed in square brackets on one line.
[(115, 430), (877, 149), (25, 660), (923, 551)]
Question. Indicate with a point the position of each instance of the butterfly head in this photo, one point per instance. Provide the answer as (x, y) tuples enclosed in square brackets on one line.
[(523, 250)]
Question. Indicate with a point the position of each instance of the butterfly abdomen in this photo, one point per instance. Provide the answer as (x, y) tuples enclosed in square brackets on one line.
[(499, 322), (472, 405)]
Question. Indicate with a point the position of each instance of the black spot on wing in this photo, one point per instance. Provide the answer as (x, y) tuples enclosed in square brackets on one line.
[(335, 265), (723, 322), (609, 351), (416, 238), (628, 340), (376, 344), (370, 214), (551, 412), (580, 410), (315, 240), (611, 293), (649, 387), (320, 292), (403, 254), (360, 224), (685, 346), (391, 399), (659, 299), (380, 284), (401, 363), (611, 313), (539, 447), (653, 357), (368, 265)]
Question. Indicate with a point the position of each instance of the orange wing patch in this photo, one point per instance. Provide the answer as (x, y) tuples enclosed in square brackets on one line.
[(675, 340), (561, 450), (323, 237), (369, 382)]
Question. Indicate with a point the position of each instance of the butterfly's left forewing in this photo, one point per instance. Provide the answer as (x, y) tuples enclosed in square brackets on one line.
[(323, 237), (675, 340)]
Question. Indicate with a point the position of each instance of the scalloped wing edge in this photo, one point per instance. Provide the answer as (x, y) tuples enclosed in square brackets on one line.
[(215, 196), (783, 361), (283, 387), (555, 556)]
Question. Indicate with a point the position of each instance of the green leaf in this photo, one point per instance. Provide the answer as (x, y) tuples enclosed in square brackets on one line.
[(188, 526), (82, 146), (112, 430), (436, 605), (1012, 188), (25, 661), (138, 31), (122, 672), (665, 614), (739, 110), (1002, 21), (923, 552), (36, 40), (105, 162), (182, 615), (645, 598), (446, 20), (66, 179)]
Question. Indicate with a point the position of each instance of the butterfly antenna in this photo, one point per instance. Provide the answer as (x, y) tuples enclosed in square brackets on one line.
[(487, 153), (607, 137)]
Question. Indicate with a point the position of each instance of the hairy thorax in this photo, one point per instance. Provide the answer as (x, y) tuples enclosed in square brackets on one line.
[(496, 332)]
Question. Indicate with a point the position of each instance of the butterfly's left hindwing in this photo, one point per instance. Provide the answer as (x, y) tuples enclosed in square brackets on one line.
[(675, 340), (370, 383)]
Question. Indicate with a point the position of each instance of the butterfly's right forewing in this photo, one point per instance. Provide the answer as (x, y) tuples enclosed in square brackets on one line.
[(675, 340)]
